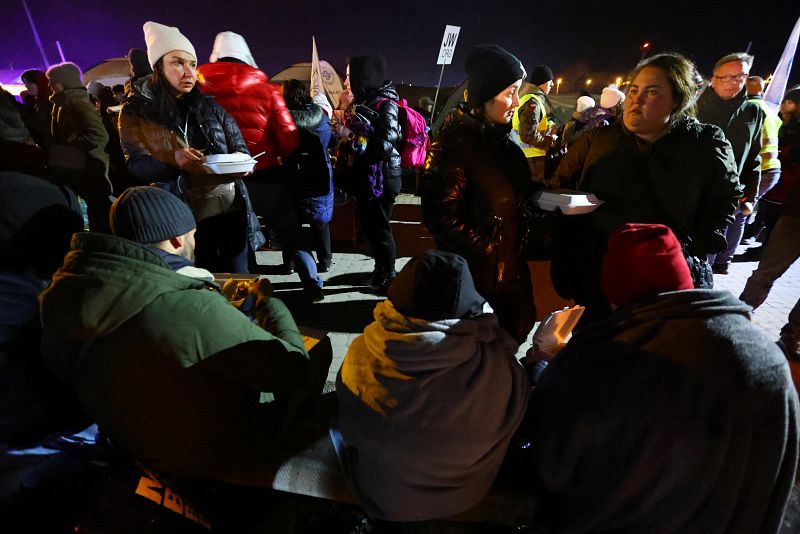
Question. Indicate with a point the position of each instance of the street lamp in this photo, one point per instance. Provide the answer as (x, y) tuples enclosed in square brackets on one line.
[(588, 82), (644, 48), (558, 84), (618, 81)]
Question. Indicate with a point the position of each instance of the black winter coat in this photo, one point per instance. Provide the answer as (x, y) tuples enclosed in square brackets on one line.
[(686, 180), (383, 116), (475, 179), (742, 122), (149, 146)]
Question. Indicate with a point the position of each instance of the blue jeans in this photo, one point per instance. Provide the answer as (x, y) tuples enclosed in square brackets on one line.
[(274, 203), (735, 230)]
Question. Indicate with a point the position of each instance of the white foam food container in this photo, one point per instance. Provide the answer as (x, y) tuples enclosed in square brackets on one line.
[(229, 163), (568, 202)]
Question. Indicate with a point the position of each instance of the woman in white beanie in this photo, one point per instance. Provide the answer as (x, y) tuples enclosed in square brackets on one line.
[(574, 126), (267, 127), (166, 127)]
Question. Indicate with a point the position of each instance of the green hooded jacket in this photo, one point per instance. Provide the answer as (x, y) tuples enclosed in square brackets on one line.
[(165, 365)]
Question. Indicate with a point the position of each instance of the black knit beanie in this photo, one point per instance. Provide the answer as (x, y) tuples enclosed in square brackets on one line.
[(490, 69), (436, 285), (140, 66), (149, 215), (541, 74), (367, 73)]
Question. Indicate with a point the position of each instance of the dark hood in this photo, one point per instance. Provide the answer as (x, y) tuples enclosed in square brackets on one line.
[(367, 73), (693, 303)]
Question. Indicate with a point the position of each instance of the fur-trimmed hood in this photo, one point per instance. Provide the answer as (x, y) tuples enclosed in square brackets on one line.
[(307, 118)]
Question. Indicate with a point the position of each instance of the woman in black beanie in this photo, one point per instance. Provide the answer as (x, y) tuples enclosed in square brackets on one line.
[(376, 170), (475, 178)]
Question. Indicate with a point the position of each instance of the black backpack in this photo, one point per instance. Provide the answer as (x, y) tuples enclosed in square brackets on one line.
[(307, 167)]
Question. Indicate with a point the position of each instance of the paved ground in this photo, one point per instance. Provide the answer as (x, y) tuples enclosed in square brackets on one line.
[(347, 308)]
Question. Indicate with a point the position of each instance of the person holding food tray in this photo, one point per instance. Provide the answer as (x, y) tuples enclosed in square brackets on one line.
[(657, 165), (173, 134)]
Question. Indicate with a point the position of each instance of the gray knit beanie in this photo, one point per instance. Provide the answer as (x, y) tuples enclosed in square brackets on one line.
[(149, 215), (67, 74)]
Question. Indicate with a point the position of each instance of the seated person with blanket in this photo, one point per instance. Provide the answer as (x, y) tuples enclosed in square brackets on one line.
[(673, 414), (429, 396)]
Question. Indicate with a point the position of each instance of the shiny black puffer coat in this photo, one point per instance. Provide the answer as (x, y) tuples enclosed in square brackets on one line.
[(383, 116), (149, 145), (475, 180)]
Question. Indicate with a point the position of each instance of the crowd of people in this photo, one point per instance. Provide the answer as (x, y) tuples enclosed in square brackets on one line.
[(667, 410)]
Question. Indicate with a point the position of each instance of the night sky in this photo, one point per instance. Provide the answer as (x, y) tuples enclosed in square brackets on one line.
[(602, 36)]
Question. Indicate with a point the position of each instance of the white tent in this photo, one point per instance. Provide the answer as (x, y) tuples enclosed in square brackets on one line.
[(110, 72), (302, 71)]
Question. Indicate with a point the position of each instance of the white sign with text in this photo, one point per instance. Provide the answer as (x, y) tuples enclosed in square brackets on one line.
[(448, 45)]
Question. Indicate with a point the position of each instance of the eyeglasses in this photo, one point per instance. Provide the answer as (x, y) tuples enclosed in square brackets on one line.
[(732, 78)]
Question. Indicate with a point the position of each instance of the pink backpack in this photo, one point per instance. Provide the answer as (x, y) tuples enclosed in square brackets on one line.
[(414, 130)]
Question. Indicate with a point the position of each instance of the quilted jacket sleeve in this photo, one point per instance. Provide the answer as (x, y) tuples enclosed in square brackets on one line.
[(387, 132)]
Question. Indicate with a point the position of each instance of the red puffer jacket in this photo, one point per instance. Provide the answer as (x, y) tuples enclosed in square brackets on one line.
[(256, 105)]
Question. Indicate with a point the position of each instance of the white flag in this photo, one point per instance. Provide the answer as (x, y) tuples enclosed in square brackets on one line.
[(316, 74), (777, 87)]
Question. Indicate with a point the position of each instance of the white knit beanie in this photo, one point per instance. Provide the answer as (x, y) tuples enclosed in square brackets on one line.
[(611, 96), (584, 103), (229, 44), (162, 40)]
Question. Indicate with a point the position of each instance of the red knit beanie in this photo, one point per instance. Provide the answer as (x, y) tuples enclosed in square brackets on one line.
[(643, 260)]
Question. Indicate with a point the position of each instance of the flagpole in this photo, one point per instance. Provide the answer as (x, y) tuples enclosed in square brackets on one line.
[(436, 97)]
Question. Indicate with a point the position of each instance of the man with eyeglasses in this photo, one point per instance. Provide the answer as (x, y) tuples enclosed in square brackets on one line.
[(726, 106)]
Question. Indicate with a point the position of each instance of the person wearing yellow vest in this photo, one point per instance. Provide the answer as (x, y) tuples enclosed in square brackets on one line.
[(770, 164), (533, 127)]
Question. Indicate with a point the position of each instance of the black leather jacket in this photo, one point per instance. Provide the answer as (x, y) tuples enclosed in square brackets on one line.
[(383, 117), (475, 179)]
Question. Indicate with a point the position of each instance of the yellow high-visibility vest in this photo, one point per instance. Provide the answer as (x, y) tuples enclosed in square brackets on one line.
[(769, 144), (528, 150)]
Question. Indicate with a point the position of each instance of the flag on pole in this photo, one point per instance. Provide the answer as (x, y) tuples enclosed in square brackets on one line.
[(322, 92), (780, 77), (316, 74)]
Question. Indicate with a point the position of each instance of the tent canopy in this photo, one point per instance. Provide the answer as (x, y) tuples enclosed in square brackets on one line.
[(110, 72), (331, 80)]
